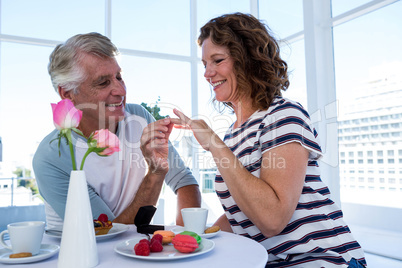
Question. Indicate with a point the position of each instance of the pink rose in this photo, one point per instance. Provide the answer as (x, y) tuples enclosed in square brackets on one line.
[(66, 119), (65, 115), (108, 140)]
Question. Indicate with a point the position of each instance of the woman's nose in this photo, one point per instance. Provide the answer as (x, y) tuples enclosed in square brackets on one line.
[(209, 72)]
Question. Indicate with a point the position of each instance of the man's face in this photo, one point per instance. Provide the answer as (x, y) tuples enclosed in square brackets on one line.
[(102, 95)]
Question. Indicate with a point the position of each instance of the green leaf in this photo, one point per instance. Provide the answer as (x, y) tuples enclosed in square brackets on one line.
[(79, 132)]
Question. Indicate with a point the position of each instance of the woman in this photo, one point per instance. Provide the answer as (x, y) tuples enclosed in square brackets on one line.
[(268, 179)]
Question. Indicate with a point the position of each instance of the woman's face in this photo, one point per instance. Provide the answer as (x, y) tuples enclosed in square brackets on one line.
[(219, 70)]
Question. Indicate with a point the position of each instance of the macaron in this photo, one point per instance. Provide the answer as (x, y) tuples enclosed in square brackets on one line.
[(185, 243), (167, 236), (195, 235)]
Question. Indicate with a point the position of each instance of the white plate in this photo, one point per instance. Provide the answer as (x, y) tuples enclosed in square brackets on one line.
[(46, 251), (117, 228), (126, 248), (180, 229)]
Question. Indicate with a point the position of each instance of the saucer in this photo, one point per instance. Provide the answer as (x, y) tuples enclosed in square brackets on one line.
[(46, 251), (180, 229), (117, 228)]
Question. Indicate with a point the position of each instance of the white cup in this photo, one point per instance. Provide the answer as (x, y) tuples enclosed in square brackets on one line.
[(24, 236), (195, 219)]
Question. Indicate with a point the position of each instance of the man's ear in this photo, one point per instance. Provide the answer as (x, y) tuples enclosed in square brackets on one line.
[(65, 94)]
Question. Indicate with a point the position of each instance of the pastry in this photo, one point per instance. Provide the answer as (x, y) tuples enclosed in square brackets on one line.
[(167, 236), (21, 255), (185, 243), (195, 235), (212, 229), (102, 225)]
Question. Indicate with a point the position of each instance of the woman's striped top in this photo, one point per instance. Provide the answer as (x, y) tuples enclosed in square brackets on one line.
[(316, 235)]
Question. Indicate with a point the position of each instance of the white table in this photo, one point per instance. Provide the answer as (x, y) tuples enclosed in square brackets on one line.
[(230, 251)]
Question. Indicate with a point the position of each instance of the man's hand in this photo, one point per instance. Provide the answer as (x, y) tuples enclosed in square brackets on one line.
[(155, 145)]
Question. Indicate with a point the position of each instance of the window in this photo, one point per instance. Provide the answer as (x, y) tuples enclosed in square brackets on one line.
[(165, 56), (132, 28), (373, 87), (285, 18), (48, 19)]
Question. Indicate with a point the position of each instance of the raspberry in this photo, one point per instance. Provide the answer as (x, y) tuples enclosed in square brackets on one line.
[(156, 246), (103, 217), (158, 237), (145, 241), (142, 249)]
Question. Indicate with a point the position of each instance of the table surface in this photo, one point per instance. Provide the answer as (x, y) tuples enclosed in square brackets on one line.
[(230, 251)]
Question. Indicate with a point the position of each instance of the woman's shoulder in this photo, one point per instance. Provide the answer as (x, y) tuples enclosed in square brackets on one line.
[(284, 106)]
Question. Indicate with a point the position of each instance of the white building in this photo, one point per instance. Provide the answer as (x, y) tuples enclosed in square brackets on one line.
[(370, 142)]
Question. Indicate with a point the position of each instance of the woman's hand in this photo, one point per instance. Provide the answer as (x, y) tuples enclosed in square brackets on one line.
[(205, 136)]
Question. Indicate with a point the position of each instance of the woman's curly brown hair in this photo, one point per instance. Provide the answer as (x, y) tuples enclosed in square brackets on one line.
[(259, 69)]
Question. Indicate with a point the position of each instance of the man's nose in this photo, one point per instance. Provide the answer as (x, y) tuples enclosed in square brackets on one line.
[(119, 88)]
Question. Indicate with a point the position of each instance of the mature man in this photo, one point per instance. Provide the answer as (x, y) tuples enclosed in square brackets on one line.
[(84, 69)]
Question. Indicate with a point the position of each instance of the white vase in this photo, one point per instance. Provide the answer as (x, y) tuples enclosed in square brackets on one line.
[(78, 243)]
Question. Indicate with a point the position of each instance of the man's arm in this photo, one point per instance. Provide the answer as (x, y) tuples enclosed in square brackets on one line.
[(147, 194), (154, 147), (187, 196)]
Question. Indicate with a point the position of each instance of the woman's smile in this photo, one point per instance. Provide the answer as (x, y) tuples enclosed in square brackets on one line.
[(217, 84)]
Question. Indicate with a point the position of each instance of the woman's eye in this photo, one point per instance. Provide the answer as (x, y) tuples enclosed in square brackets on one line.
[(218, 61)]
